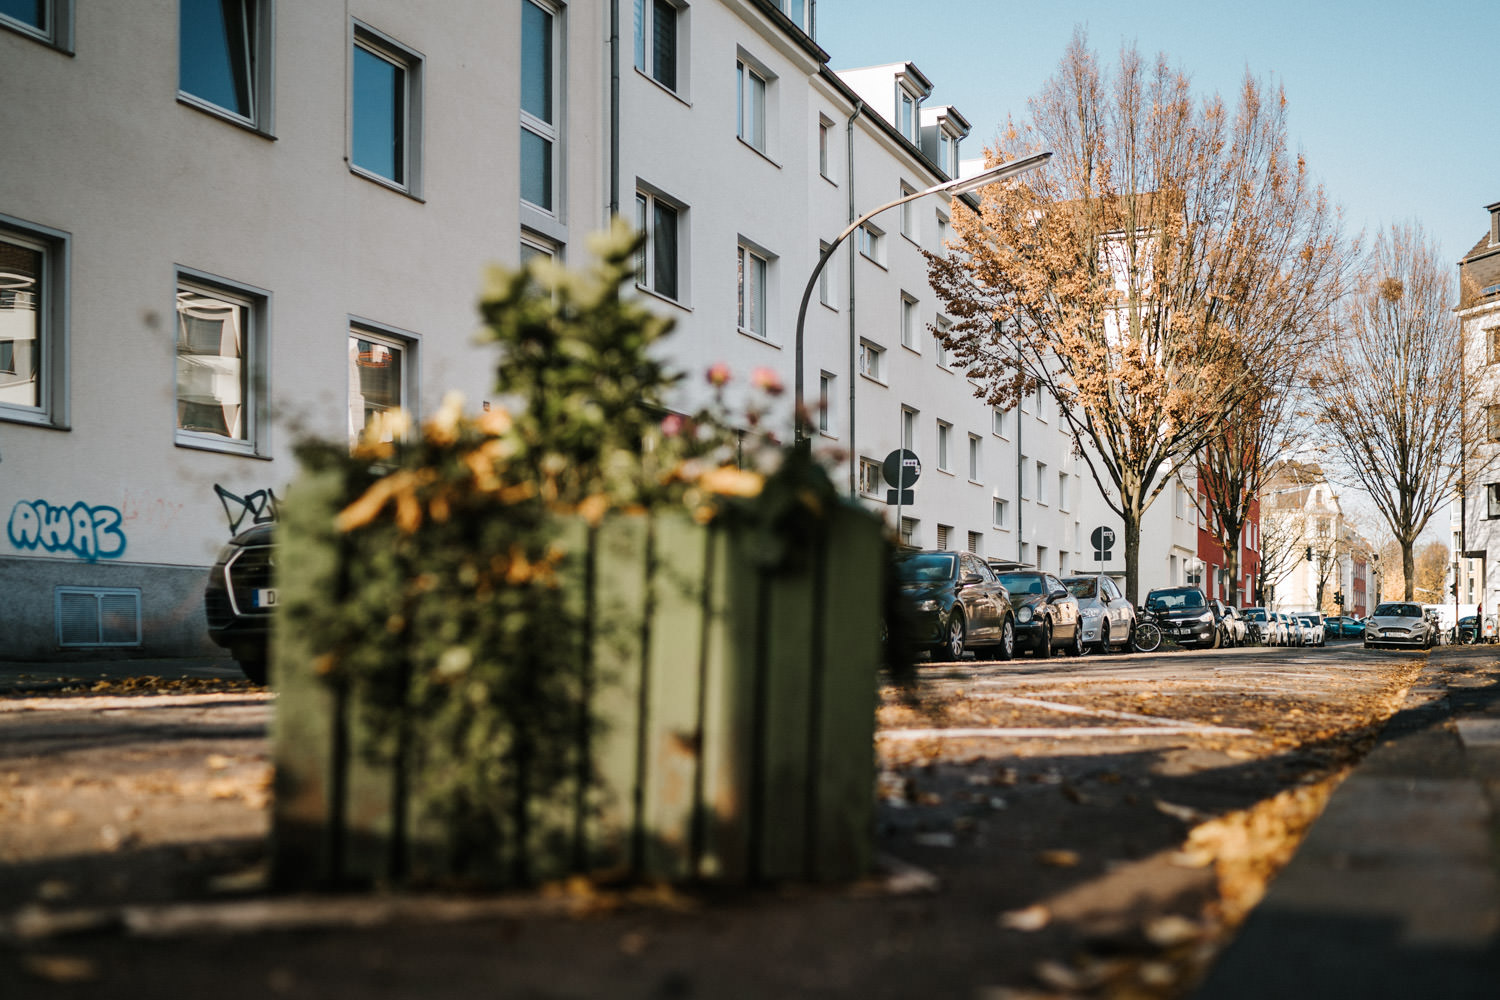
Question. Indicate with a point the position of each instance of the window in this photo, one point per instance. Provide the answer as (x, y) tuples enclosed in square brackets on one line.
[(224, 58), (657, 263), (1492, 344), (869, 241), (976, 543), (825, 279), (944, 435), (221, 375), (800, 11), (908, 321), (942, 230), (909, 530), (872, 360), (944, 158), (826, 383), (33, 323), (939, 346), (1492, 421), (1492, 500), (656, 46), (943, 531), (825, 130), (534, 246), (385, 117), (1041, 483), (974, 456), (752, 269), (49, 21), (907, 114), (908, 213), (908, 428), (1062, 491), (1001, 513), (999, 418), (378, 376), (871, 476), (540, 45), (751, 91), (1025, 480)]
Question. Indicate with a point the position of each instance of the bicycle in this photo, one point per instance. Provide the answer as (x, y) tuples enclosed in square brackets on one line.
[(1146, 636)]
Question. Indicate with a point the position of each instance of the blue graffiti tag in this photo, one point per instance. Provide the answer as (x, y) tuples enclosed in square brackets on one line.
[(88, 532)]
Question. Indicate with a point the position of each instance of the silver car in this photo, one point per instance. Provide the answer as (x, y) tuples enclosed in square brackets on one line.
[(1108, 617), (1398, 623)]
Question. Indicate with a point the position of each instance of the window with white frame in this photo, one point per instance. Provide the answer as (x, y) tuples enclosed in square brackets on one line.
[(1492, 500), (385, 114), (826, 384), (825, 279), (872, 360), (942, 231), (1025, 479), (975, 455), (541, 44), (49, 21), (908, 213), (750, 88), (909, 528), (825, 143), (908, 322), (999, 421), (871, 476), (223, 58), (1041, 483), (34, 269), (940, 346), (658, 261), (908, 113), (943, 531), (379, 377), (534, 246), (870, 241), (976, 543), (1063, 482), (944, 439), (800, 11), (656, 40), (1001, 513), (908, 428), (221, 370), (752, 268)]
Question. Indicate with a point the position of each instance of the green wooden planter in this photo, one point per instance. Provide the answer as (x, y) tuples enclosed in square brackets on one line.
[(725, 725)]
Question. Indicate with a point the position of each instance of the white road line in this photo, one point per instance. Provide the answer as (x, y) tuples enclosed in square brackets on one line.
[(1155, 720), (1065, 732)]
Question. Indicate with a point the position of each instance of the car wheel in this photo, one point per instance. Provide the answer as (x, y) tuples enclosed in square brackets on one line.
[(1104, 638), (1218, 639), (1044, 642), (1077, 649), (254, 669), (1007, 647), (953, 645)]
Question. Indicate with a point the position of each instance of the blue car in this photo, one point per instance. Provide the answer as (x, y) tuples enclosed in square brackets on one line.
[(1343, 627)]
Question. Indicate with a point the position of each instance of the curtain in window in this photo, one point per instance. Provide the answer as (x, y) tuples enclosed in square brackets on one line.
[(210, 369), (20, 324)]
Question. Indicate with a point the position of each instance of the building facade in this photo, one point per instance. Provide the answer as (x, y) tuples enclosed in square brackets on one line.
[(1474, 570)]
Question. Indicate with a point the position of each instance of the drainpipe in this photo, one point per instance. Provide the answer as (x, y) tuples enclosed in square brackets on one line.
[(859, 107), (614, 109), (1020, 475)]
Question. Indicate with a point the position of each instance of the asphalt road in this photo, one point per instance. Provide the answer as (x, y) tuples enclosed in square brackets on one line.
[(1071, 825)]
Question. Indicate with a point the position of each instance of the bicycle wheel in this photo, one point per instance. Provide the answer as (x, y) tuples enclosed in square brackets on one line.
[(1147, 637)]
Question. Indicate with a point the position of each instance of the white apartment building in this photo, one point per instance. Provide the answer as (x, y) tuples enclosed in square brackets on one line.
[(1475, 548), (226, 224)]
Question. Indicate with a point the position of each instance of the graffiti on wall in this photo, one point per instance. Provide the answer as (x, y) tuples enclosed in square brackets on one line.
[(88, 532), (258, 507)]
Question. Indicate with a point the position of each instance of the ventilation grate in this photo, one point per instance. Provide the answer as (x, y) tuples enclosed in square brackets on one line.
[(98, 616)]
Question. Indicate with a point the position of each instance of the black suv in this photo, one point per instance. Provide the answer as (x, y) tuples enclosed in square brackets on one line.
[(240, 598), (1186, 616)]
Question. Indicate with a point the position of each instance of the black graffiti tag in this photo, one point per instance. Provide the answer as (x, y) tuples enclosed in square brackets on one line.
[(259, 507)]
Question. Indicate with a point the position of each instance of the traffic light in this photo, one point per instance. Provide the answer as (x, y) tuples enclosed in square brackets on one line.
[(1309, 553), (1338, 598)]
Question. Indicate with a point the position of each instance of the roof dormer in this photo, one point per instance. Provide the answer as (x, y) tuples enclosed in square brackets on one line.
[(895, 91), (942, 130)]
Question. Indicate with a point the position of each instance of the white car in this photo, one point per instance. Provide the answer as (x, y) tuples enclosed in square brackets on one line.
[(1237, 630), (1312, 629)]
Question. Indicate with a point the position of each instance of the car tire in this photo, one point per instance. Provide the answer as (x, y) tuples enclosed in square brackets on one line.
[(254, 669), (952, 648), (1006, 648), (1077, 649), (1043, 648), (1218, 640), (1104, 649)]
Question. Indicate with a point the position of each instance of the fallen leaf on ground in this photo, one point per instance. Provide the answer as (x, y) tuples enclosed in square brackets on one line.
[(61, 968), (1033, 918), (1059, 858), (1164, 932)]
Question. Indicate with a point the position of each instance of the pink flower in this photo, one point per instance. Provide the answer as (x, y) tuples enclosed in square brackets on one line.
[(718, 375), (766, 380), (671, 425)]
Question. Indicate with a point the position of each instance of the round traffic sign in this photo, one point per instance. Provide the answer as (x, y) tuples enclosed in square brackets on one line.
[(902, 468)]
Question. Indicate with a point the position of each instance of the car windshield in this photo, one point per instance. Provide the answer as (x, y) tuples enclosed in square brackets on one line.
[(1171, 600), (1307, 619), (925, 567), (1082, 586), (1255, 614), (1398, 611), (1023, 583)]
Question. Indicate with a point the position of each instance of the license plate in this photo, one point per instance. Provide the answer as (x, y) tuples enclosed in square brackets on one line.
[(263, 597)]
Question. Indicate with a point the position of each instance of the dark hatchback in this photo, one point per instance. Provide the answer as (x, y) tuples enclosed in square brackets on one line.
[(1046, 613), (240, 597), (954, 602), (1185, 616)]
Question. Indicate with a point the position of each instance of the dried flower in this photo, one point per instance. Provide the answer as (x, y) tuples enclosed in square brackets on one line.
[(718, 375), (768, 381)]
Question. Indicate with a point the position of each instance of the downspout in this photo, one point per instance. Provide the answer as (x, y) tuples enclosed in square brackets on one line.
[(614, 109), (1020, 475), (859, 107)]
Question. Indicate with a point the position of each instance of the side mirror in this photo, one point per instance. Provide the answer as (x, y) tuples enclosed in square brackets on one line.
[(969, 579), (1056, 595)]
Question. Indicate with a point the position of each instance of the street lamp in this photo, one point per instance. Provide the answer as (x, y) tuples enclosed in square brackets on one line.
[(956, 187)]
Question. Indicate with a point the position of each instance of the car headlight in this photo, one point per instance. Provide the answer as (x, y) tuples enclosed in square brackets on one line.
[(927, 605), (1207, 616), (1024, 615), (1090, 612)]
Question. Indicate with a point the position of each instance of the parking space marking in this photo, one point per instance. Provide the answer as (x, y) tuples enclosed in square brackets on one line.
[(1154, 720)]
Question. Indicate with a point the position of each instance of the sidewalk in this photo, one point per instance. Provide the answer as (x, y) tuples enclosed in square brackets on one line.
[(1394, 893), (19, 678)]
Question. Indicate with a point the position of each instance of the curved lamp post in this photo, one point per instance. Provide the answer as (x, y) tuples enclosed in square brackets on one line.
[(956, 187)]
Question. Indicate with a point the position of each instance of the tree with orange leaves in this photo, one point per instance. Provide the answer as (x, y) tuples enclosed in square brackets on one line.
[(1170, 247)]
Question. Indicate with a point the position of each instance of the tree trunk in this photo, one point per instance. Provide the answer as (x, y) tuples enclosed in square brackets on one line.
[(1408, 568), (1232, 566), (1132, 521)]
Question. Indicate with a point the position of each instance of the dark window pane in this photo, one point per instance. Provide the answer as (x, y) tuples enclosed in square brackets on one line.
[(640, 35), (664, 43), (665, 234), (536, 61), (32, 12), (20, 325), (379, 105), (214, 53), (536, 169)]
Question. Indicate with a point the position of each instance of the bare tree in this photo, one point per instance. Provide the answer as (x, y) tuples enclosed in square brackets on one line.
[(1389, 388), (1283, 529), (1170, 244)]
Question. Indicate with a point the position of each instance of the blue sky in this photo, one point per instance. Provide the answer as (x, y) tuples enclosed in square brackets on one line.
[(1393, 104)]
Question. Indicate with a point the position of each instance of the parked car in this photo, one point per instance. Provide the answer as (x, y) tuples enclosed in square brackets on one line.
[(1107, 616), (1312, 630), (1467, 626), (1343, 627), (955, 603), (1264, 628), (1186, 617), (1236, 631), (1398, 623), (1290, 628), (1047, 615), (240, 597)]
